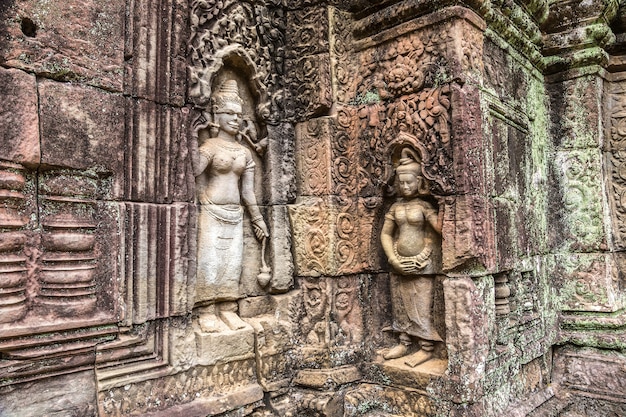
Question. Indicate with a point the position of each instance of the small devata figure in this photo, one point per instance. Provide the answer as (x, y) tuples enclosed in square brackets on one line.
[(225, 177), (411, 239)]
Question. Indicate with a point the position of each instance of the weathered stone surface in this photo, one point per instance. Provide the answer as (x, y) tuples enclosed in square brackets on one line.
[(74, 41), (576, 121), (590, 371), (156, 152), (82, 129), (513, 116), (586, 282), (192, 393), (154, 51), (576, 202), (19, 117), (73, 394), (155, 281), (468, 221)]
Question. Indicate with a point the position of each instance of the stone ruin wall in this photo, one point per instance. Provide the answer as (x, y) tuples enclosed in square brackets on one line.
[(518, 111)]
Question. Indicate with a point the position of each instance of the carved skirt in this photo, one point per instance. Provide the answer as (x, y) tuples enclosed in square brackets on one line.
[(220, 252), (412, 303)]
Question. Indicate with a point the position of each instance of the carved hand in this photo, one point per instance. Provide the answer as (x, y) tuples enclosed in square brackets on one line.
[(405, 267), (395, 264), (410, 267), (260, 228)]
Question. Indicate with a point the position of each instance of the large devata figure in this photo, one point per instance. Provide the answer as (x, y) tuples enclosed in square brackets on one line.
[(411, 239), (225, 179)]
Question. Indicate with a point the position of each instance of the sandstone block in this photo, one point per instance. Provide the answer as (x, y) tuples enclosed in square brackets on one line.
[(19, 119), (69, 41), (82, 129)]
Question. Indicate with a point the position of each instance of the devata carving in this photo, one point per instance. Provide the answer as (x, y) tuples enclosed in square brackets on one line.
[(225, 178), (411, 239)]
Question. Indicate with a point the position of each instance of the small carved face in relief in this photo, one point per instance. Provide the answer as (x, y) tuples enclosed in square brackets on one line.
[(228, 117), (409, 184)]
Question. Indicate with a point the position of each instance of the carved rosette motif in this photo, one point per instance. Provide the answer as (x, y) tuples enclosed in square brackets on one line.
[(402, 88)]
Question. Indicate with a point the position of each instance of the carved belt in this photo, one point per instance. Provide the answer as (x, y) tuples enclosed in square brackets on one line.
[(227, 213)]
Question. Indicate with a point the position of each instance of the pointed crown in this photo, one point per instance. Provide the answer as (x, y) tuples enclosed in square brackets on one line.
[(227, 93)]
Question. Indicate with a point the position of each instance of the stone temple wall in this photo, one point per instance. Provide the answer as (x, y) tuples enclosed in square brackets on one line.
[(116, 169)]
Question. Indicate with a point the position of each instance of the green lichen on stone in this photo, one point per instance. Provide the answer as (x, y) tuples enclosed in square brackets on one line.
[(373, 404), (367, 98)]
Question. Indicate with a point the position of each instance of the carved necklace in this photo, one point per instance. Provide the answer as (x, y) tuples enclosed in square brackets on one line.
[(235, 147)]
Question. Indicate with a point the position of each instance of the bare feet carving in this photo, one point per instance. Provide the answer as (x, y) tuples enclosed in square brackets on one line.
[(397, 351), (418, 358)]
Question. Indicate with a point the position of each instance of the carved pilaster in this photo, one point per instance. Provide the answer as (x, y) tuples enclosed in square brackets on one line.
[(14, 219)]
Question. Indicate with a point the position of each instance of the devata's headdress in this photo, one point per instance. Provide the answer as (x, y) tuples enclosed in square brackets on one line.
[(409, 163), (228, 93)]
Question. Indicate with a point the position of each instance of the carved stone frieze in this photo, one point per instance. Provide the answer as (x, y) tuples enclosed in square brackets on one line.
[(329, 314), (311, 237), (597, 372), (307, 31), (615, 158), (370, 399), (326, 153), (347, 318), (228, 385)]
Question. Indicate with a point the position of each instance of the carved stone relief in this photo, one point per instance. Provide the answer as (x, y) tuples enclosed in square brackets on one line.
[(411, 239), (238, 31), (283, 277)]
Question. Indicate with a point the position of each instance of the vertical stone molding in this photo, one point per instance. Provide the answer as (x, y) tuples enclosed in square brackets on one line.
[(157, 260)]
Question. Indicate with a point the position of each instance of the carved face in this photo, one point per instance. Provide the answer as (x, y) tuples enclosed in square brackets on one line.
[(228, 117), (409, 184)]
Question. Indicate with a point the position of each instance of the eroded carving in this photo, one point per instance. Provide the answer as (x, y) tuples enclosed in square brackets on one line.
[(225, 179), (347, 324), (411, 239)]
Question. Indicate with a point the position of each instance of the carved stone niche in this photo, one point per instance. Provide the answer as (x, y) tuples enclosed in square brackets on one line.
[(239, 238), (411, 239)]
